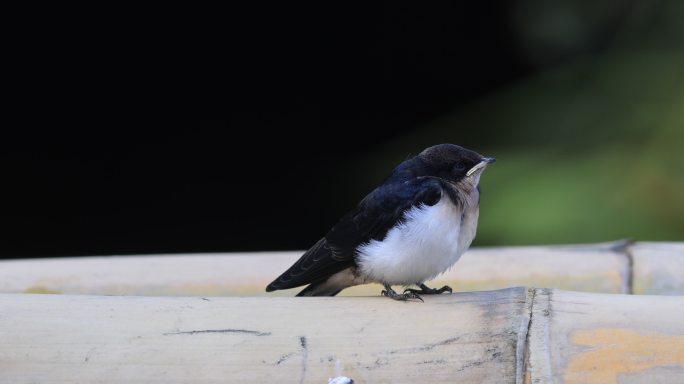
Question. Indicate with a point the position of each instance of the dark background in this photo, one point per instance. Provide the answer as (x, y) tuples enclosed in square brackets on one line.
[(322, 103)]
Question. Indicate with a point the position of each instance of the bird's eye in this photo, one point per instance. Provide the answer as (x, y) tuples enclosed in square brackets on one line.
[(459, 167)]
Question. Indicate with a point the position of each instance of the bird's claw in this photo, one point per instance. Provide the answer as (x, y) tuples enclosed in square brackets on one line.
[(429, 291), (401, 297), (412, 295), (445, 288)]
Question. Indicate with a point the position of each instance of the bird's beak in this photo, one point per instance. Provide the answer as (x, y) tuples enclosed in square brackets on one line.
[(481, 165)]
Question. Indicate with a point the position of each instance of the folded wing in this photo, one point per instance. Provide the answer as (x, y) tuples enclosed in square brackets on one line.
[(370, 220)]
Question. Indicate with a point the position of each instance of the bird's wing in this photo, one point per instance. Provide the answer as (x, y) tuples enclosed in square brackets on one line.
[(370, 220), (315, 265)]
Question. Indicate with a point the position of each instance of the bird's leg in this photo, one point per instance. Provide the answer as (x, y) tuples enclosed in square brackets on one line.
[(389, 292), (425, 290)]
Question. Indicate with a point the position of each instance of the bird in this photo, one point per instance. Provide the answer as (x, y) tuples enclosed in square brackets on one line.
[(414, 226)]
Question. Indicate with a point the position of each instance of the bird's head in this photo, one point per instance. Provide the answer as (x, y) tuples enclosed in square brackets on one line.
[(455, 164)]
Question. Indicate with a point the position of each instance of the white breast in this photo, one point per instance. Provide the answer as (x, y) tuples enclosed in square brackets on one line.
[(430, 241)]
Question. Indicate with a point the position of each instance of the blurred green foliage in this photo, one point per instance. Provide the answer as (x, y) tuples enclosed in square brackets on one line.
[(591, 149)]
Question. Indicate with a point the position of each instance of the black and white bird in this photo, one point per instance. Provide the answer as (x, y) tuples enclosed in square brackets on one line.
[(411, 228)]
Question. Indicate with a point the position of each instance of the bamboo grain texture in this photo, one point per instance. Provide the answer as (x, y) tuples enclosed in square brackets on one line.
[(210, 322), (617, 267)]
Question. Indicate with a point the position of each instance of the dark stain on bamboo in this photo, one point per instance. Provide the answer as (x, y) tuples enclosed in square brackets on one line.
[(245, 331)]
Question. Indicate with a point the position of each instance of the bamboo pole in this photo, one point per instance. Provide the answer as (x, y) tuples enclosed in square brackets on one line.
[(658, 268), (592, 268), (514, 335)]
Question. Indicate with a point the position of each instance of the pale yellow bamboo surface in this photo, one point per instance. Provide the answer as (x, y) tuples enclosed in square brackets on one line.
[(652, 268), (658, 268), (507, 336)]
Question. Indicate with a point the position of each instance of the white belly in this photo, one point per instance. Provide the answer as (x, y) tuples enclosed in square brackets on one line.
[(429, 242)]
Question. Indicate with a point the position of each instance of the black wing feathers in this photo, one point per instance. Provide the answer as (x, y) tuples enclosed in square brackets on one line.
[(315, 262), (370, 220)]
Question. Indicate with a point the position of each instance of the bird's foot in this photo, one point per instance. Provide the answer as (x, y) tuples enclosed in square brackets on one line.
[(425, 290), (389, 292)]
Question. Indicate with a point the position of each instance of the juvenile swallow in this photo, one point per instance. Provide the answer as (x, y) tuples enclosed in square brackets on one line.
[(414, 226)]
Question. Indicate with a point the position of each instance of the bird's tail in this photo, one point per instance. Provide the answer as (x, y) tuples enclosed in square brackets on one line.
[(324, 288)]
